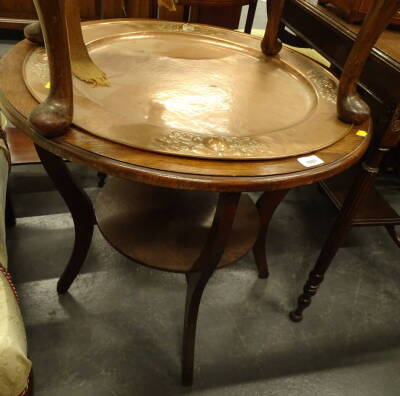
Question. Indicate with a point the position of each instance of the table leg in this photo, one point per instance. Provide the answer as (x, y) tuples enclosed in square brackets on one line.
[(266, 206), (342, 225), (81, 210), (203, 269)]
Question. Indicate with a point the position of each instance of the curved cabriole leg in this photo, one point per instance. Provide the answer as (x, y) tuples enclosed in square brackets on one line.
[(391, 229), (53, 117), (271, 44), (266, 206), (33, 32), (81, 210), (203, 269), (351, 108)]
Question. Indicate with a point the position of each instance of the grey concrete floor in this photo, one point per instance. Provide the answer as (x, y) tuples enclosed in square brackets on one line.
[(119, 330)]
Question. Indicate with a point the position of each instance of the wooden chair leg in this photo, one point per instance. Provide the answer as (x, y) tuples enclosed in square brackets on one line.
[(391, 229), (33, 32), (351, 108), (81, 210), (271, 44), (54, 116), (203, 269), (250, 17), (266, 206)]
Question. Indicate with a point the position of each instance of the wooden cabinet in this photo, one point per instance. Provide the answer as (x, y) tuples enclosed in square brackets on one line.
[(355, 10), (16, 14)]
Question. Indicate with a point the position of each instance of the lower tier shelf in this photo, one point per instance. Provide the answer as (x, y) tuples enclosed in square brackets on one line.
[(167, 229)]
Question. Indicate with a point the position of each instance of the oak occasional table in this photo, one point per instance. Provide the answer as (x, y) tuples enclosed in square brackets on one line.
[(182, 213)]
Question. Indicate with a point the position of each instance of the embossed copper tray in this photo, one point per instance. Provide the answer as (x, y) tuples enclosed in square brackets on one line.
[(199, 91)]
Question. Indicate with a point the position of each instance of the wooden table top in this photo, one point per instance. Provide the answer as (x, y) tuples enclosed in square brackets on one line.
[(169, 170)]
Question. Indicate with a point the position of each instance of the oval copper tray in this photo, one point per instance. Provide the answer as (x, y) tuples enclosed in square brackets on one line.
[(199, 91)]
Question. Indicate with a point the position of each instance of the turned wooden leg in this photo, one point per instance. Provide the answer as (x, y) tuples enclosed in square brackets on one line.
[(342, 225), (54, 116), (266, 206), (81, 210), (351, 107), (391, 229), (33, 33), (203, 269), (271, 44)]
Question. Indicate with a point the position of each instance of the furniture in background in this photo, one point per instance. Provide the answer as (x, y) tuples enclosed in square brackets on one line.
[(353, 193), (355, 10), (15, 367), (203, 11), (333, 38), (16, 14)]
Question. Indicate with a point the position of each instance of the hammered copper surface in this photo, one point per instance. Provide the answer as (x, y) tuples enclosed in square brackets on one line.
[(199, 91)]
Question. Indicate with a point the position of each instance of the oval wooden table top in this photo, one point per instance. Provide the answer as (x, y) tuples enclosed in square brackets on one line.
[(168, 170)]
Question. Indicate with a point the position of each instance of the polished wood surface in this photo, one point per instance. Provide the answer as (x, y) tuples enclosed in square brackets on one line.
[(334, 38), (167, 170), (22, 149), (167, 229), (351, 107), (355, 10), (54, 115), (81, 210)]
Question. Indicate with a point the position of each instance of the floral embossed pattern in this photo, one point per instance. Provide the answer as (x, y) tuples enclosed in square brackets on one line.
[(325, 86), (183, 142)]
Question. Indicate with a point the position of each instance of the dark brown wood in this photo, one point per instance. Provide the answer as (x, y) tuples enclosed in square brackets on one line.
[(354, 11), (359, 191), (351, 108), (205, 266), (22, 149), (271, 45), (167, 229), (250, 17), (266, 205), (332, 37), (16, 14), (33, 32), (81, 210), (54, 116)]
